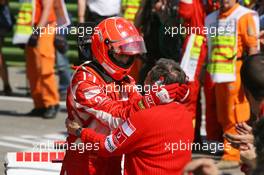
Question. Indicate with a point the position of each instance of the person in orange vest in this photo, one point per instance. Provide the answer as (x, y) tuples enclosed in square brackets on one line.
[(193, 58), (40, 61), (236, 33)]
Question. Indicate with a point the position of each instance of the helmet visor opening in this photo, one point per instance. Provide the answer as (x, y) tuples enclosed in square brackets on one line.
[(130, 46)]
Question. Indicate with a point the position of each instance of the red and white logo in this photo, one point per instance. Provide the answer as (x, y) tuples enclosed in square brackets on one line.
[(119, 136), (128, 128)]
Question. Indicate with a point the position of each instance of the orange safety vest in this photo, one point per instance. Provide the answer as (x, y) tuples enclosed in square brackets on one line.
[(222, 46)]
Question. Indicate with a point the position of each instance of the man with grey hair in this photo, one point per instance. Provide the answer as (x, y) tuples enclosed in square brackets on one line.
[(168, 70), (158, 145)]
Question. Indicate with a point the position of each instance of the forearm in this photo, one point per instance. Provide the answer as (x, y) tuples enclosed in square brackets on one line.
[(104, 149), (47, 7), (81, 10), (122, 140)]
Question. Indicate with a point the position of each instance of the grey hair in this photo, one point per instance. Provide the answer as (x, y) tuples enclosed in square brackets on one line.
[(169, 70)]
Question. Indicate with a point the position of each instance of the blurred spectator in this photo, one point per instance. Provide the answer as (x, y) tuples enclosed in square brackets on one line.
[(95, 11), (62, 61), (63, 65), (226, 55), (6, 25), (40, 59), (260, 7), (252, 157), (258, 132), (152, 18), (193, 58), (252, 76)]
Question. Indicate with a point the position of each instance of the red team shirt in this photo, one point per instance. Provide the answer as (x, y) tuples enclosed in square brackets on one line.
[(146, 139), (99, 109), (195, 15), (194, 18), (197, 11)]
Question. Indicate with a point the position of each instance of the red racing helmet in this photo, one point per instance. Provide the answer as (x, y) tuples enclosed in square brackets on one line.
[(116, 36)]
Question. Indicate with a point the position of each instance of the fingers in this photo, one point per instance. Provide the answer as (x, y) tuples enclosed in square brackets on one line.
[(206, 165), (241, 131), (247, 127), (171, 87), (173, 96), (186, 96), (192, 166), (176, 86), (240, 128), (244, 128), (233, 138), (178, 92), (72, 126), (244, 147)]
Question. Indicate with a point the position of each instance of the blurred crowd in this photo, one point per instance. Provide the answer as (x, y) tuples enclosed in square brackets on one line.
[(226, 68)]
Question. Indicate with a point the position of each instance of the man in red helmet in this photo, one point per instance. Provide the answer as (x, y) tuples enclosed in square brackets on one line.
[(102, 95), (155, 146)]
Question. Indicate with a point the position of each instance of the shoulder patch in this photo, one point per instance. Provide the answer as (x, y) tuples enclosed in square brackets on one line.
[(128, 128), (91, 92)]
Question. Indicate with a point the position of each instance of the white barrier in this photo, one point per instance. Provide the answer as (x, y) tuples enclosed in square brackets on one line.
[(33, 163)]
